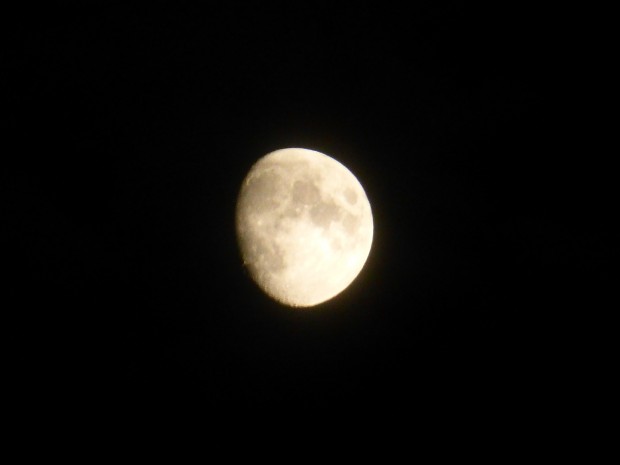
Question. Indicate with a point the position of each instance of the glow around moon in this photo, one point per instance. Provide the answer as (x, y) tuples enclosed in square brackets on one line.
[(304, 226)]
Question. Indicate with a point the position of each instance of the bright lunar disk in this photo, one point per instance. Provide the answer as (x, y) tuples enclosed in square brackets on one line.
[(304, 226)]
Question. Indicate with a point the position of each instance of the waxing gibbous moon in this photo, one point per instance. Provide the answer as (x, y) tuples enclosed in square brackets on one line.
[(304, 226)]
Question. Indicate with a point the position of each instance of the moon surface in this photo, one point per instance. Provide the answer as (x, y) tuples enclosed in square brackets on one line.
[(304, 226)]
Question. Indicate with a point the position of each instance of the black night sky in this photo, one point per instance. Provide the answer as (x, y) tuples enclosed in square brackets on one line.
[(131, 128)]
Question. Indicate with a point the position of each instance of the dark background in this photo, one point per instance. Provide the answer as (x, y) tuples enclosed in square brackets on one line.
[(129, 130)]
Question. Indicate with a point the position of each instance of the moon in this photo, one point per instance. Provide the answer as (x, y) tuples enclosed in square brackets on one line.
[(304, 226)]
